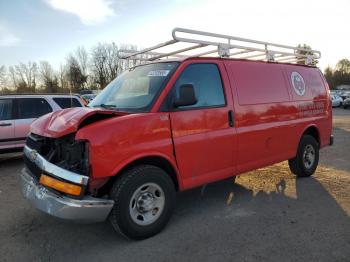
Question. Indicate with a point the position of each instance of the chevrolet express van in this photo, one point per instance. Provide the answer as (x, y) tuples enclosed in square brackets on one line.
[(172, 125)]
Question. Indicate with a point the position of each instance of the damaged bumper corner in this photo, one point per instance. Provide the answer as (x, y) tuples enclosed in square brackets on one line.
[(86, 210)]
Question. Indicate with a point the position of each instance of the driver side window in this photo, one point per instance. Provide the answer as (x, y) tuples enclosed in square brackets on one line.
[(207, 83)]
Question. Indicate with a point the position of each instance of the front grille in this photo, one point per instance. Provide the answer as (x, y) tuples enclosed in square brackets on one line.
[(40, 144), (64, 152), (33, 168), (43, 145)]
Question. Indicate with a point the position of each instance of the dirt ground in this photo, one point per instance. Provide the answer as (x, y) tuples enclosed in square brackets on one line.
[(268, 215)]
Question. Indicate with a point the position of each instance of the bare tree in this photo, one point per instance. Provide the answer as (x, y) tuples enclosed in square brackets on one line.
[(112, 61), (29, 71), (3, 78), (76, 77), (63, 78), (46, 71), (77, 68), (98, 61), (13, 77), (48, 77), (23, 76), (82, 58), (105, 64)]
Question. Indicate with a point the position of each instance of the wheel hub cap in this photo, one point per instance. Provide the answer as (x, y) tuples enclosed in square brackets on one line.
[(147, 204), (309, 156)]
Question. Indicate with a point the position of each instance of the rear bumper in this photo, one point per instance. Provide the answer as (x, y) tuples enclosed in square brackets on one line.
[(88, 209)]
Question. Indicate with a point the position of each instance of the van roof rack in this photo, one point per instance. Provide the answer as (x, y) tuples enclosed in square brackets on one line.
[(193, 43)]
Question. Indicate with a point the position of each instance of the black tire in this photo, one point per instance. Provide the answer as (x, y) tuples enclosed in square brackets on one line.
[(299, 165), (124, 189)]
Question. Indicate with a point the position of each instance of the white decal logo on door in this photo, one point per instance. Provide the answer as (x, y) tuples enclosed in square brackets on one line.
[(298, 83)]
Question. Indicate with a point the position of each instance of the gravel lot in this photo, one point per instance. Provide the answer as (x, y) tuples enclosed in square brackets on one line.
[(268, 215)]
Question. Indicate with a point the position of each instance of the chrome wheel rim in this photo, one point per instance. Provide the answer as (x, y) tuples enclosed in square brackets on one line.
[(147, 204), (309, 156)]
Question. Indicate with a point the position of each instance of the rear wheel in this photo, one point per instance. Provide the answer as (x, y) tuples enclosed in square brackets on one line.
[(144, 200), (304, 164)]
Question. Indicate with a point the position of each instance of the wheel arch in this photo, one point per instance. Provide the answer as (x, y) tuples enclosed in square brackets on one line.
[(158, 160), (313, 131)]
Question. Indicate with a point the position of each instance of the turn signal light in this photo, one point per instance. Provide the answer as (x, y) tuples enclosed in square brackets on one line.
[(60, 186)]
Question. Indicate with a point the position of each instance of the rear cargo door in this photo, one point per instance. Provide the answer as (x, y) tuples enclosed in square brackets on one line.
[(203, 134)]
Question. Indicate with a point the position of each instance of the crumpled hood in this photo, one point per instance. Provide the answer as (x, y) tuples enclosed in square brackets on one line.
[(66, 121)]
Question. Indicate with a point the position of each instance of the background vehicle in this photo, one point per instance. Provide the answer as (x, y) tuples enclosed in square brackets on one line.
[(17, 112), (171, 125), (86, 92), (345, 94), (337, 101), (89, 97), (346, 103)]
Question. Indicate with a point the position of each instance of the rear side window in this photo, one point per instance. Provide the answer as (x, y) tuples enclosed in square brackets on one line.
[(5, 109), (66, 102), (207, 83), (32, 107)]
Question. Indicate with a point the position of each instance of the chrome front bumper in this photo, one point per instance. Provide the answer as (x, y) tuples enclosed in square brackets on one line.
[(88, 209)]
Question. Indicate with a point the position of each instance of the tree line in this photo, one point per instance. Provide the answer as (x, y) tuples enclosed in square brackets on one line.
[(82, 69), (95, 68), (339, 75)]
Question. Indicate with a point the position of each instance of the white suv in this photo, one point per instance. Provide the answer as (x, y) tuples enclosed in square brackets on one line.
[(17, 112)]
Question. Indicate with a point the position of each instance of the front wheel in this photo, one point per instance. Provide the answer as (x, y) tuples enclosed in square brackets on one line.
[(144, 200), (304, 164)]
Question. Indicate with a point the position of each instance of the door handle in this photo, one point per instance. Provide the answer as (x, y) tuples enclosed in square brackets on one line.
[(231, 120), (6, 124)]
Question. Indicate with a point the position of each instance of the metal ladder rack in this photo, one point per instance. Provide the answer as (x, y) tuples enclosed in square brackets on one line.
[(204, 44)]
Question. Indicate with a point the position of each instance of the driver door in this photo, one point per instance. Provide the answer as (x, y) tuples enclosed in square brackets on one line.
[(204, 139)]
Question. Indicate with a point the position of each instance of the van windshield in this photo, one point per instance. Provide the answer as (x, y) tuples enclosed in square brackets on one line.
[(136, 89)]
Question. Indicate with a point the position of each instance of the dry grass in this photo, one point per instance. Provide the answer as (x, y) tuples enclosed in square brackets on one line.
[(279, 179)]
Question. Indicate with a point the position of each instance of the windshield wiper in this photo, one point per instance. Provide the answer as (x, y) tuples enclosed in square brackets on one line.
[(105, 106)]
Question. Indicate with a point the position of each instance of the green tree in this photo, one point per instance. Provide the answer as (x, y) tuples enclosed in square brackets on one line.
[(340, 75), (343, 66), (328, 74)]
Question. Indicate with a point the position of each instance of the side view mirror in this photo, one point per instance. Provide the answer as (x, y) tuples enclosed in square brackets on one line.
[(187, 96)]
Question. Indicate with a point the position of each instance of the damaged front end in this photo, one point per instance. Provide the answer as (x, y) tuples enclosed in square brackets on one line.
[(65, 152), (57, 169), (55, 178)]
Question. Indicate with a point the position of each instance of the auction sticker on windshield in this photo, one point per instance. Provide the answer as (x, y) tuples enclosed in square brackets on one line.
[(158, 73)]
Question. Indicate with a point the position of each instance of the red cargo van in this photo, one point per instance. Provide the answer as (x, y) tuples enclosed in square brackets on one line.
[(171, 125)]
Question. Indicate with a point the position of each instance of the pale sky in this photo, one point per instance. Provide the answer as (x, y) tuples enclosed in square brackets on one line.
[(50, 29)]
